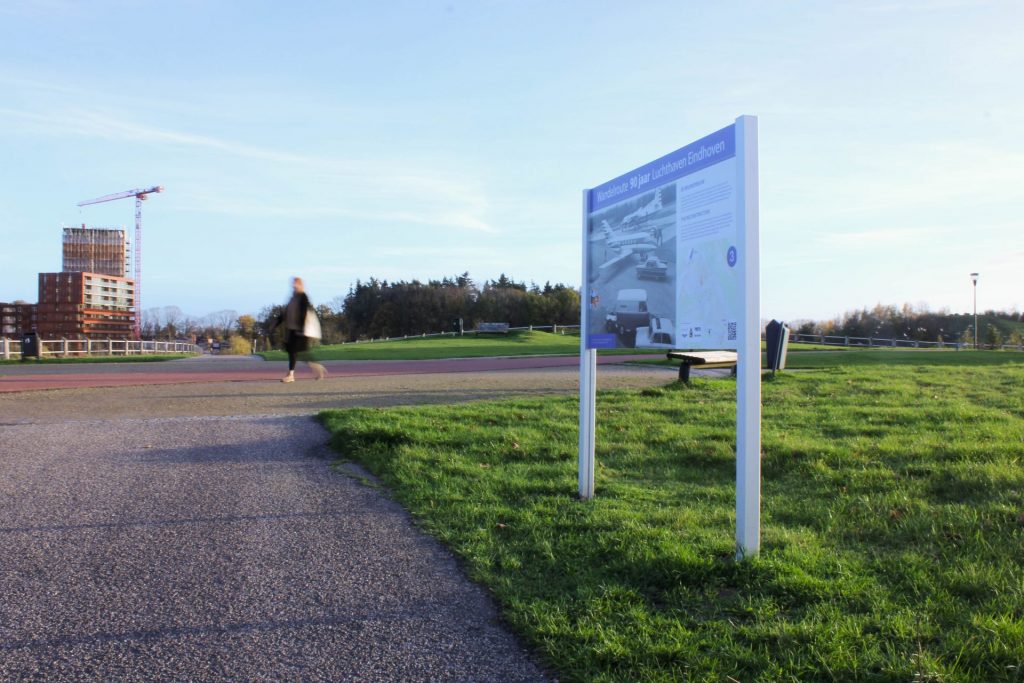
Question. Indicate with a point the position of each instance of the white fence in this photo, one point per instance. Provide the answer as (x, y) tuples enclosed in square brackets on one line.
[(79, 348), (827, 340), (874, 342)]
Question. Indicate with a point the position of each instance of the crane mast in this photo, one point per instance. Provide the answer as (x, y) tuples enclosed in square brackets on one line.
[(140, 195)]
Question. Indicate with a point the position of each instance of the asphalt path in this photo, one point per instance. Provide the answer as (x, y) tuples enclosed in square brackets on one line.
[(39, 376), (199, 531)]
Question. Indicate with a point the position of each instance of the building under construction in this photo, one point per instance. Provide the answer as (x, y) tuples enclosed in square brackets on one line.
[(91, 298), (95, 250)]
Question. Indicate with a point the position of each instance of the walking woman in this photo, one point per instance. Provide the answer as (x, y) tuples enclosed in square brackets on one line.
[(296, 342)]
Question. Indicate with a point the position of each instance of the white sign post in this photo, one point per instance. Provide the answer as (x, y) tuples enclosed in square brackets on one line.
[(588, 384), (748, 352), (671, 260)]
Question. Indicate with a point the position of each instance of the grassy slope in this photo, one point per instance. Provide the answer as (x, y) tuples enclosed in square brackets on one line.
[(523, 343), (472, 346), (904, 357), (830, 357), (1006, 327), (893, 536), (468, 346)]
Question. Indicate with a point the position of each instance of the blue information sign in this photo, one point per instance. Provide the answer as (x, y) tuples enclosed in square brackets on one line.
[(660, 251)]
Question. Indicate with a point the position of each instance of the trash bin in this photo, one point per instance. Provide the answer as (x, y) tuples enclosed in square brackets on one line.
[(29, 345), (776, 336)]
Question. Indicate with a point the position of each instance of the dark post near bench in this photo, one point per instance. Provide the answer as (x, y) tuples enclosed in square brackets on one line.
[(776, 336), (29, 345)]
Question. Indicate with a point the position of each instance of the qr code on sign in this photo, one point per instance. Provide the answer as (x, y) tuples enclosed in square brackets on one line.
[(731, 331)]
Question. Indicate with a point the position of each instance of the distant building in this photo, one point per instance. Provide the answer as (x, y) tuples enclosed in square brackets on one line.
[(17, 317), (85, 305), (95, 250), (90, 298)]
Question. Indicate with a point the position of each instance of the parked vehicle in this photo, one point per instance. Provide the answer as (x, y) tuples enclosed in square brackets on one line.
[(657, 335), (652, 269), (630, 312)]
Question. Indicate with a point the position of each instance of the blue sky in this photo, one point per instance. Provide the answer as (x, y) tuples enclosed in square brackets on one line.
[(415, 140)]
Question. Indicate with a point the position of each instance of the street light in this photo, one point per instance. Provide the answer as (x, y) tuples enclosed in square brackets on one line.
[(974, 279)]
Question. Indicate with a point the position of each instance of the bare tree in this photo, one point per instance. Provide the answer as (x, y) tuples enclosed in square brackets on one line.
[(151, 323), (224, 321), (172, 321)]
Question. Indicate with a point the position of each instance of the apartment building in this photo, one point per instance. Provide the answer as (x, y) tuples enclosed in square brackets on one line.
[(85, 305), (17, 317)]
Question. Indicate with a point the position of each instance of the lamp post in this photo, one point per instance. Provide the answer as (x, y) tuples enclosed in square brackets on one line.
[(974, 279)]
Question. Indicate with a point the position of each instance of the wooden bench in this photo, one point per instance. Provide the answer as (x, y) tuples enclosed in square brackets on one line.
[(704, 359), (491, 328)]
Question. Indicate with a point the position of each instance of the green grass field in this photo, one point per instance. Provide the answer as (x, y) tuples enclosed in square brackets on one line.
[(902, 357), (518, 343), (893, 523), (468, 346), (827, 357)]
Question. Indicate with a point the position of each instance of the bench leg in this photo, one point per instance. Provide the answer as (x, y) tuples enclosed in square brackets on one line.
[(684, 372)]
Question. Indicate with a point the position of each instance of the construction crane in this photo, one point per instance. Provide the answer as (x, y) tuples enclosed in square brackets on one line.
[(139, 195)]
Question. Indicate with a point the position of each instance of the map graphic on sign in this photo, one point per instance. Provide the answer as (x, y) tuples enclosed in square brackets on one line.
[(709, 282)]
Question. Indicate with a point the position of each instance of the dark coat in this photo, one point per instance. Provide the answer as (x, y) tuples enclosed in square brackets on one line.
[(293, 316)]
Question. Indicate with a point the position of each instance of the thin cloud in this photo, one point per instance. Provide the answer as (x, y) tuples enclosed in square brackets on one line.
[(916, 5), (94, 124), (1011, 258), (875, 239), (928, 177), (768, 263), (462, 220), (443, 202), (23, 83), (446, 251)]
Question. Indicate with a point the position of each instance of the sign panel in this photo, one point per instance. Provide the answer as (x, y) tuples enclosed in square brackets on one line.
[(662, 254), (671, 260)]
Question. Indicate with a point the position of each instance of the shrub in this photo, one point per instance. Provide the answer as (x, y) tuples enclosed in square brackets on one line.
[(238, 346)]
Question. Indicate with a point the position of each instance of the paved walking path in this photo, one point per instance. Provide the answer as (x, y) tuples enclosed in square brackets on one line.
[(197, 532), (34, 376), (223, 549)]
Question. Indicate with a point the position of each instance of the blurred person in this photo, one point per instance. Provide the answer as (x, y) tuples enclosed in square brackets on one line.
[(296, 343)]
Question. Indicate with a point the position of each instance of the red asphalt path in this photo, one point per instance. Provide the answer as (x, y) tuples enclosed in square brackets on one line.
[(36, 378)]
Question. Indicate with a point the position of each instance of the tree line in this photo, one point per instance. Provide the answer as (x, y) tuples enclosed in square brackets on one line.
[(377, 309), (907, 322)]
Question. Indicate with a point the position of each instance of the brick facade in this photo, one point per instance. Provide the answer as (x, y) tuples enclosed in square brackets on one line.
[(85, 305), (17, 317)]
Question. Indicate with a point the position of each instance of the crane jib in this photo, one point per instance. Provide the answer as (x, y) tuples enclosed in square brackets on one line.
[(139, 195)]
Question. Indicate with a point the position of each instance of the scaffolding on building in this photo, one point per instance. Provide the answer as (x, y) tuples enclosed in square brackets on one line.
[(96, 250)]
